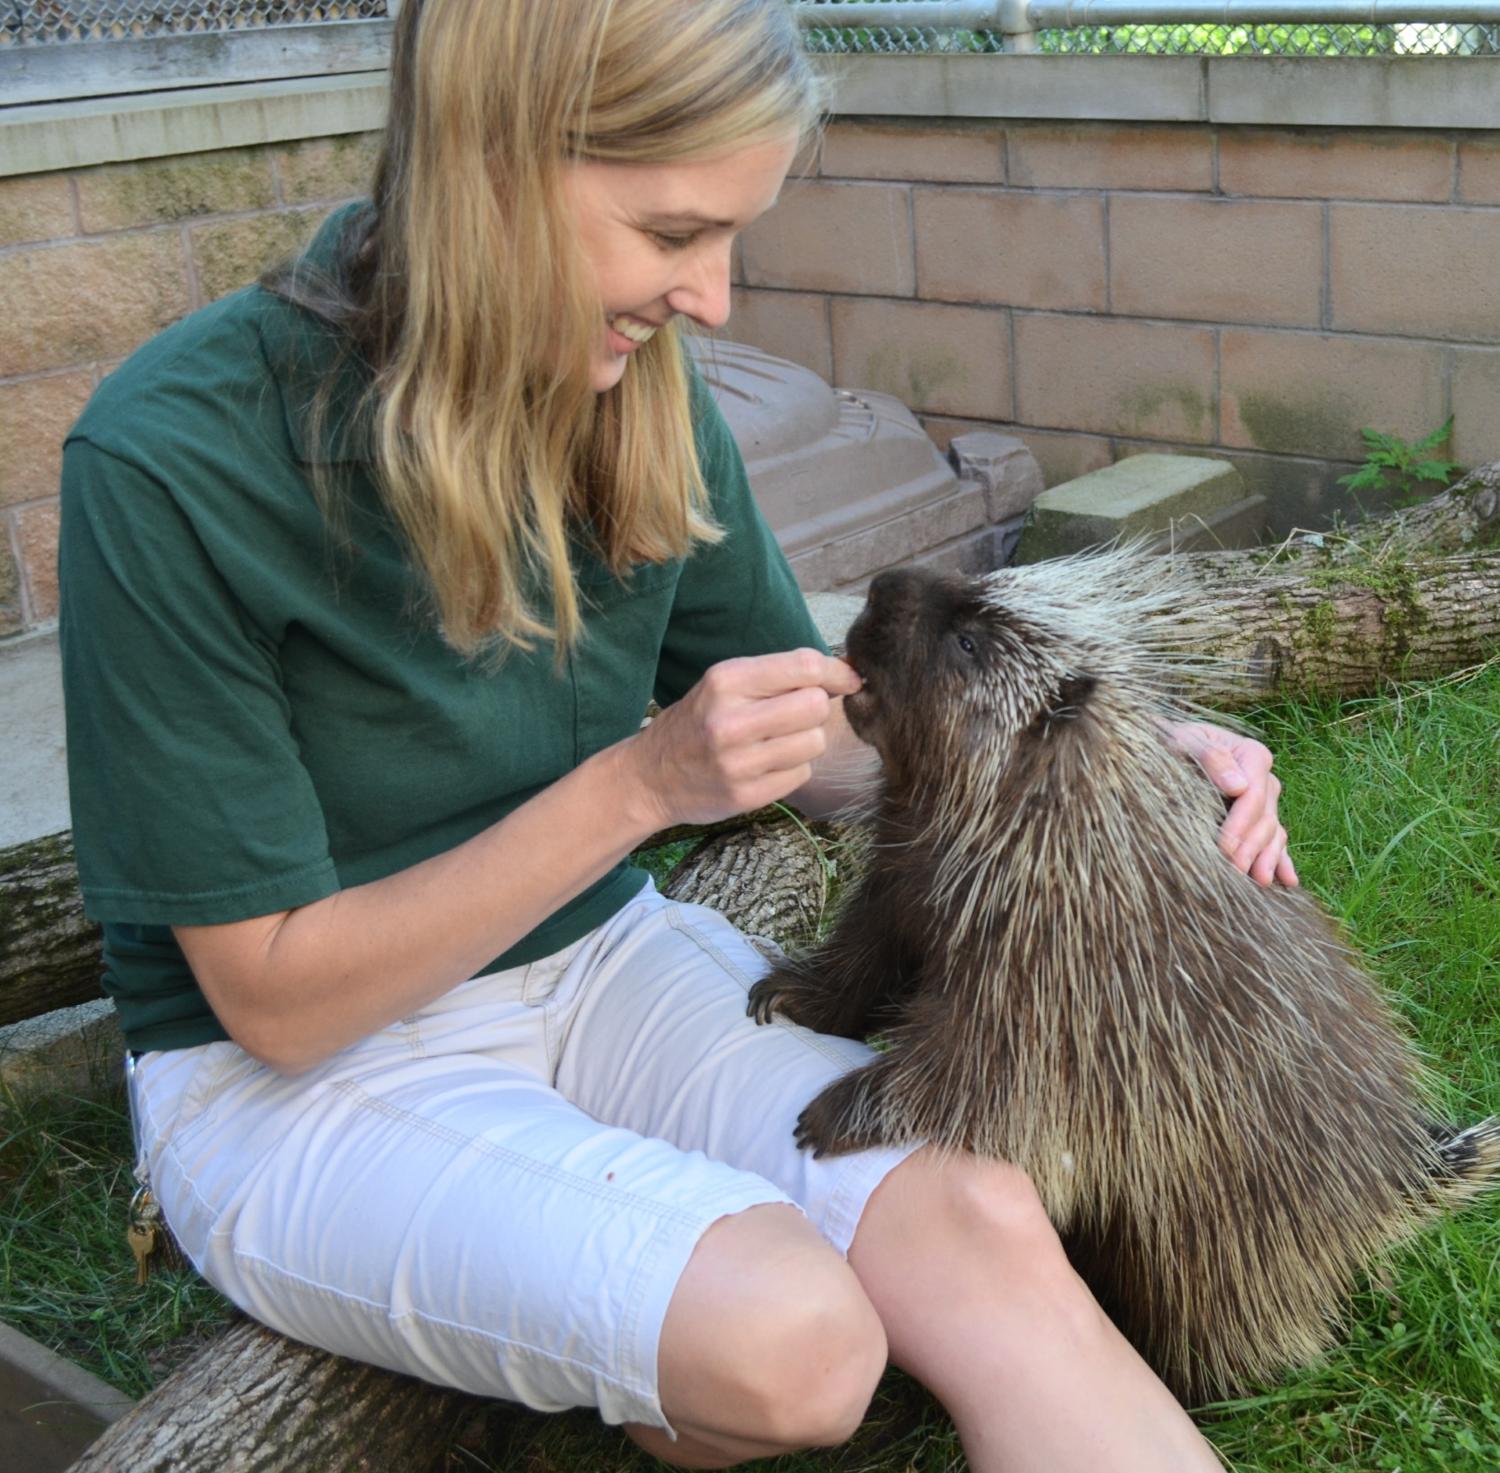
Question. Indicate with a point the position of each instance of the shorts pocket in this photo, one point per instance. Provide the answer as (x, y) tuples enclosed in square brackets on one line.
[(220, 1064)]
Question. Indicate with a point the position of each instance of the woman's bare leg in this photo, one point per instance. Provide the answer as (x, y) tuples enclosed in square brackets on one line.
[(980, 1304), (769, 1345)]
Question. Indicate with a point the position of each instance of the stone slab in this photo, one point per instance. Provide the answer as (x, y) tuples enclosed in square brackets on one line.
[(1137, 496), (33, 768), (73, 1050)]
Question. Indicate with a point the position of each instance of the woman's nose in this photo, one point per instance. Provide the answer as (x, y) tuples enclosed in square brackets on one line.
[(703, 291)]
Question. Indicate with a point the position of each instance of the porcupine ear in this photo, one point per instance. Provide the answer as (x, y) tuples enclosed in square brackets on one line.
[(1072, 696)]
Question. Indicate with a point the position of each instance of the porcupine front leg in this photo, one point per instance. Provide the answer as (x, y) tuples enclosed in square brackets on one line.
[(850, 1114), (844, 985)]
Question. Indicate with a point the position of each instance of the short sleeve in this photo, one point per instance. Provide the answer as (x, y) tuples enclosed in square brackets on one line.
[(190, 805), (736, 596)]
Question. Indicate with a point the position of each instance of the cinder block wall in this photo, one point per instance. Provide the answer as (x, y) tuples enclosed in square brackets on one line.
[(1101, 255), (1101, 288), (92, 263)]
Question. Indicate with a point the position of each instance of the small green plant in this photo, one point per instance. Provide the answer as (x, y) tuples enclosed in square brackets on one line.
[(1389, 456)]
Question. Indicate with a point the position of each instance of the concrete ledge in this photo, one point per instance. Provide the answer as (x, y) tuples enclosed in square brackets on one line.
[(1355, 92), (50, 1409), (1347, 92), (1159, 89), (105, 130)]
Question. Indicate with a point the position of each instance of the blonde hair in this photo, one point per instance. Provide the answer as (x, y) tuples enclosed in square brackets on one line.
[(463, 291)]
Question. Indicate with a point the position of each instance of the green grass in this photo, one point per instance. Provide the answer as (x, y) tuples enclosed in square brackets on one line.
[(1394, 809)]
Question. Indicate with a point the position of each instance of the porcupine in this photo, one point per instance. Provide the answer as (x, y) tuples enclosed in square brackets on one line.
[(1216, 1105)]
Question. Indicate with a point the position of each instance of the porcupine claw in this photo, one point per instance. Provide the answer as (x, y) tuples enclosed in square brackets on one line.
[(847, 1116), (763, 999)]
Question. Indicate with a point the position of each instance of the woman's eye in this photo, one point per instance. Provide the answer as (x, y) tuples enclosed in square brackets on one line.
[(966, 644), (671, 242)]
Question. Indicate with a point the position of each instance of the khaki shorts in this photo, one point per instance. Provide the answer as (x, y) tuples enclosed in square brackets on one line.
[(500, 1192)]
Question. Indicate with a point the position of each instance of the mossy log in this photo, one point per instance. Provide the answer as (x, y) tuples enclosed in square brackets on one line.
[(1338, 627), (49, 951)]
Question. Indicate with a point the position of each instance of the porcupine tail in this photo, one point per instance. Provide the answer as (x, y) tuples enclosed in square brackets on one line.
[(1468, 1161)]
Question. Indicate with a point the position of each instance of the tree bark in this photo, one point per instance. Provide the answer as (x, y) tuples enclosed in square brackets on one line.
[(770, 877), (1337, 627), (255, 1402), (49, 951)]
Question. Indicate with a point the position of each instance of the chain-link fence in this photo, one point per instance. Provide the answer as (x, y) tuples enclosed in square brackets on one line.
[(1246, 39), (35, 22)]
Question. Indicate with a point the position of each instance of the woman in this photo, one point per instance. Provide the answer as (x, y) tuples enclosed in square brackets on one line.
[(369, 574)]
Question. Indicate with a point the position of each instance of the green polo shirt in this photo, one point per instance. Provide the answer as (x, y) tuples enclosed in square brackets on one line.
[(259, 716)]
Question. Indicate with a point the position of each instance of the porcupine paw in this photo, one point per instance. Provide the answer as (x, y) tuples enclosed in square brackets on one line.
[(783, 993), (844, 1118)]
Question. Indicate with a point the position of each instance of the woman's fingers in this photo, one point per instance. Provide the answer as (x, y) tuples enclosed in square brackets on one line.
[(744, 736), (1240, 767)]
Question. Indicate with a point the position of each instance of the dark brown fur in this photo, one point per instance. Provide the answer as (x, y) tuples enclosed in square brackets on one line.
[(1218, 1109)]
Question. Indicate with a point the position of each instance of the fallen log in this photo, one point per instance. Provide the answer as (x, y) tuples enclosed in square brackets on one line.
[(1337, 627), (256, 1402), (49, 951)]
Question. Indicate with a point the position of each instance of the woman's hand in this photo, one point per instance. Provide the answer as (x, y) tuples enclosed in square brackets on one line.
[(746, 735), (1240, 767)]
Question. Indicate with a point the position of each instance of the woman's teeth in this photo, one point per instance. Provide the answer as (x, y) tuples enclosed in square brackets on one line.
[(637, 332)]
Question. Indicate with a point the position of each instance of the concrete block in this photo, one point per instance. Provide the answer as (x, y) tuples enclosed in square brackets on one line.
[(1425, 271), (834, 238), (1003, 465), (36, 534), (1109, 156), (70, 304), (858, 557), (71, 1050), (1254, 261), (1144, 494), (327, 168), (50, 1409), (1241, 524), (1476, 405), (34, 775), (978, 552), (833, 613), (1479, 170), (958, 152), (934, 358), (232, 253), (35, 207), (1059, 455), (1368, 164), (35, 414), (1116, 377), (118, 196), (790, 325), (1310, 394), (10, 588), (1011, 247)]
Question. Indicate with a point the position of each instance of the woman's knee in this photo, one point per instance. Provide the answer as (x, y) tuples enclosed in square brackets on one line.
[(770, 1337)]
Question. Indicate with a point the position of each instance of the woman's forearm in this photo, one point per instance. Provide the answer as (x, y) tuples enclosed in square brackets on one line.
[(295, 987)]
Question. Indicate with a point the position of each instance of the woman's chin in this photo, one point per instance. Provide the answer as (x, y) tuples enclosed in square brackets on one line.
[(606, 371)]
